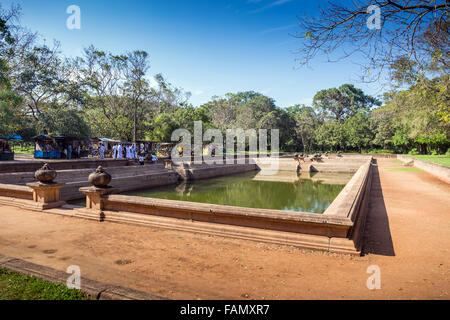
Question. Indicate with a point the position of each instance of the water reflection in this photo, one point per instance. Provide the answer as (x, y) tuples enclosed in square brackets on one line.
[(306, 192)]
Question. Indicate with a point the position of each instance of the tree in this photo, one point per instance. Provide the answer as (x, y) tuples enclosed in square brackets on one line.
[(40, 76), (250, 110), (9, 107), (239, 110), (64, 121), (164, 125), (357, 131), (382, 127), (102, 75), (9, 100), (306, 124), (136, 87), (331, 136), (340, 103), (166, 97), (415, 29), (417, 115)]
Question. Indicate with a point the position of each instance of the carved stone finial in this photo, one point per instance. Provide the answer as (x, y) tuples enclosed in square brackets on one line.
[(99, 178), (45, 174)]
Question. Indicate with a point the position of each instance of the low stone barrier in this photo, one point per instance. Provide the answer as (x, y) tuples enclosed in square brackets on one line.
[(437, 170), (344, 164), (44, 192), (197, 172), (126, 178), (304, 230), (30, 198), (339, 229), (31, 166), (15, 191), (352, 202)]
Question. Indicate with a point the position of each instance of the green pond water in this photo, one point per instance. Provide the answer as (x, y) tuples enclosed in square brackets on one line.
[(284, 191)]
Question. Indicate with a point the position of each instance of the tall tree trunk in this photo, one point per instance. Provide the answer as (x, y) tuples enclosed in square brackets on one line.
[(134, 123)]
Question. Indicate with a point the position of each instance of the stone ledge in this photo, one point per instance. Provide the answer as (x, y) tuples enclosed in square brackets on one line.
[(16, 191), (93, 288), (300, 240), (439, 171), (30, 204), (345, 204), (215, 209)]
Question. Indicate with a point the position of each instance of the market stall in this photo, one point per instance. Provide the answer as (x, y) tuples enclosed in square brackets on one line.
[(107, 144), (146, 147), (53, 147), (6, 153), (164, 149)]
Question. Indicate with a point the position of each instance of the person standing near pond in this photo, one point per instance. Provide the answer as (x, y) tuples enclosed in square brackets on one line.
[(127, 152), (135, 155), (119, 151), (69, 151), (101, 151)]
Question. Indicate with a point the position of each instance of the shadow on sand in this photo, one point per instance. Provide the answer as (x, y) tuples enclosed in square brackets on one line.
[(377, 235)]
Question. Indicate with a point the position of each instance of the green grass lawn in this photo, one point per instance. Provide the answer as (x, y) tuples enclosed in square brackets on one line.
[(23, 150), (404, 169), (442, 159), (17, 286)]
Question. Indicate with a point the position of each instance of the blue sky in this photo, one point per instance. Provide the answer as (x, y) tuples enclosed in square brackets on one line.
[(207, 47)]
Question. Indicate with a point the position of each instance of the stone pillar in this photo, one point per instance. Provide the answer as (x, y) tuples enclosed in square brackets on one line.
[(46, 195), (94, 196), (46, 191)]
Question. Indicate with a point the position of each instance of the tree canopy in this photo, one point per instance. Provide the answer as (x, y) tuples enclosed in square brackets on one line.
[(113, 94)]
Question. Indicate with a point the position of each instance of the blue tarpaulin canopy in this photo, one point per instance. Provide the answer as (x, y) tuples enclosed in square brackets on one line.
[(11, 137)]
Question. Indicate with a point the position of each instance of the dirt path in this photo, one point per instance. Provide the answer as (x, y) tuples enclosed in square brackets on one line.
[(407, 237)]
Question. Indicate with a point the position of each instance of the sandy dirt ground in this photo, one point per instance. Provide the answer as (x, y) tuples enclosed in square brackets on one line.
[(407, 238)]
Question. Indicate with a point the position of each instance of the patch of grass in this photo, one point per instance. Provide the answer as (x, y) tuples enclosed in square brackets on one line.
[(441, 159), (17, 286), (404, 169), (379, 151), (23, 149)]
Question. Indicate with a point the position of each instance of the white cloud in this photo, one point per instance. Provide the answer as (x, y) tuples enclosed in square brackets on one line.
[(153, 82), (271, 5), (278, 29)]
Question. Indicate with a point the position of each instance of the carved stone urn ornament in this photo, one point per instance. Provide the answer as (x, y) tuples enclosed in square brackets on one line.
[(45, 174), (99, 178)]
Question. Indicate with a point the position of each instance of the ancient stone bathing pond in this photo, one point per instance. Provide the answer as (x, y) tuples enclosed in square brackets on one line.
[(307, 192)]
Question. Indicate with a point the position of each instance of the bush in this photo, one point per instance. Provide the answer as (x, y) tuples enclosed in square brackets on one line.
[(413, 152), (380, 151)]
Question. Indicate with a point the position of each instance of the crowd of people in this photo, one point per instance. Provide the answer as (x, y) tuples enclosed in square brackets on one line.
[(127, 151)]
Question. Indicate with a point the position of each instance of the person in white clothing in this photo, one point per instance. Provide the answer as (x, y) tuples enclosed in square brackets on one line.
[(101, 151), (119, 151), (135, 155), (132, 151)]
